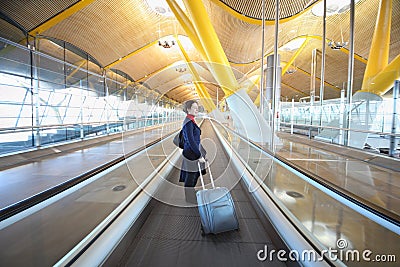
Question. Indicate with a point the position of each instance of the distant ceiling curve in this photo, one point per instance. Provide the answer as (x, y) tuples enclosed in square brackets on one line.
[(289, 9)]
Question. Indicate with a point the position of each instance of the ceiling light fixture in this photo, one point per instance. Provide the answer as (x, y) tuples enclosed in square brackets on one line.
[(166, 44), (337, 45), (291, 71), (180, 69)]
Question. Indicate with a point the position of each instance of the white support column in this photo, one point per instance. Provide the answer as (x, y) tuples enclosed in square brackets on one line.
[(81, 106), (292, 117), (151, 112), (322, 85), (106, 107), (313, 75), (277, 75), (262, 59), (393, 141), (341, 116), (36, 98), (350, 75), (269, 87)]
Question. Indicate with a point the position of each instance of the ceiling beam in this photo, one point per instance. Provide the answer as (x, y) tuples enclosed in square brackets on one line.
[(344, 50), (294, 89), (130, 54)]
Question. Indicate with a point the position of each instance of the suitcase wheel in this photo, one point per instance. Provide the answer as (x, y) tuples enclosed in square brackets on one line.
[(202, 231)]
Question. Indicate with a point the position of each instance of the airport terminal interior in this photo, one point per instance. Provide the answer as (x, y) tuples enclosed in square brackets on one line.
[(299, 116)]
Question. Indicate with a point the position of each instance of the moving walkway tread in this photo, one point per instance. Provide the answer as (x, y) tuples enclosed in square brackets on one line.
[(171, 235)]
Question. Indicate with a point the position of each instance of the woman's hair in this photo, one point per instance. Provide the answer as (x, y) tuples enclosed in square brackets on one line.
[(188, 105)]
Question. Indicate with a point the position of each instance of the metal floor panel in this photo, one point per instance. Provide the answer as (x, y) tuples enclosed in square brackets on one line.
[(171, 236)]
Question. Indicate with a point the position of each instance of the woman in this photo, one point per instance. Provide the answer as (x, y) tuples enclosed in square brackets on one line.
[(192, 151)]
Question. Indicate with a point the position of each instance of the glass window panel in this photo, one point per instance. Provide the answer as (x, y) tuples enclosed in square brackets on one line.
[(13, 94), (98, 88), (15, 60), (25, 118), (72, 116), (75, 75), (50, 70)]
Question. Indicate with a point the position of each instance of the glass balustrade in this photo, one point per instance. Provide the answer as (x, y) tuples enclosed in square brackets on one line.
[(44, 100)]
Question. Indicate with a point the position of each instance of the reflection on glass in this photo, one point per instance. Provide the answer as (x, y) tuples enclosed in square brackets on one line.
[(325, 219)]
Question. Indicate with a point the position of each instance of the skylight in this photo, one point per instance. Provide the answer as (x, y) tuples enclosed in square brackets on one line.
[(161, 7), (332, 7)]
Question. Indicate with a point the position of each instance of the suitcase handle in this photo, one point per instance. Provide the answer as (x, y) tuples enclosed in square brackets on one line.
[(201, 175)]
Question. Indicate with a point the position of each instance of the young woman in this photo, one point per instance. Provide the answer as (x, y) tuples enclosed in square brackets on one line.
[(192, 151)]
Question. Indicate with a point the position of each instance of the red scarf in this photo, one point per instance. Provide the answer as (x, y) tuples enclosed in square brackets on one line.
[(191, 117)]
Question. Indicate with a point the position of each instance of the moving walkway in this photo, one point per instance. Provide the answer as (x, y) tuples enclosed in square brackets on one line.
[(135, 213)]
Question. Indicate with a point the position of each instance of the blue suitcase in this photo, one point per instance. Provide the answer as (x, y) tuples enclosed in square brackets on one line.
[(216, 208)]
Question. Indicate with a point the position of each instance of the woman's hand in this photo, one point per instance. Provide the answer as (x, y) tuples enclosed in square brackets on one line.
[(202, 160)]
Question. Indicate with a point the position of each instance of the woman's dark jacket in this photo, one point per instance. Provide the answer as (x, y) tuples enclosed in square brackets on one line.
[(192, 151)]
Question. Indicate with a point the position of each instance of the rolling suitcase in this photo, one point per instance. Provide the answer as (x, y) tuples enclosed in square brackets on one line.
[(216, 208)]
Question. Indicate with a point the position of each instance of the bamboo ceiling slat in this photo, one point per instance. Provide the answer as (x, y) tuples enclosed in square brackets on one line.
[(10, 32), (116, 27), (254, 10), (142, 64), (30, 14)]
